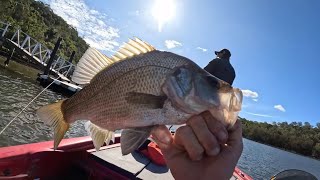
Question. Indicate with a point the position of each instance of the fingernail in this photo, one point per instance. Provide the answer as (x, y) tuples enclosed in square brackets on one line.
[(215, 151), (166, 139), (196, 158), (222, 136)]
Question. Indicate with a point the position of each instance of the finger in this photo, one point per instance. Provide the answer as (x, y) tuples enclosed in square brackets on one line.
[(235, 134), (216, 127), (185, 137), (232, 151), (204, 136), (162, 136)]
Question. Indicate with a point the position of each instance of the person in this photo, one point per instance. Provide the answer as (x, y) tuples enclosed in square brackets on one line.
[(221, 66), (202, 149)]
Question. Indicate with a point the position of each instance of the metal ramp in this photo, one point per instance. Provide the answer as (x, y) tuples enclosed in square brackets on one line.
[(36, 51)]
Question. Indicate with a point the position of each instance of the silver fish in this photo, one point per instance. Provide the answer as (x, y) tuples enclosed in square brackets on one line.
[(137, 88)]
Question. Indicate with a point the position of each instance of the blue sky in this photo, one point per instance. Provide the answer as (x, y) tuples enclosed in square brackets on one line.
[(274, 44)]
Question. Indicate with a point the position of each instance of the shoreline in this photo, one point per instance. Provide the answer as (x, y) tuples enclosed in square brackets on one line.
[(293, 152), (22, 69)]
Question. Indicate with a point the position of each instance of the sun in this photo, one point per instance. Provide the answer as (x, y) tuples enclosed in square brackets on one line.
[(163, 11)]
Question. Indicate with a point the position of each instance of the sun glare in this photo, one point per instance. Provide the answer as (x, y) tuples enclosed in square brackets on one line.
[(163, 11)]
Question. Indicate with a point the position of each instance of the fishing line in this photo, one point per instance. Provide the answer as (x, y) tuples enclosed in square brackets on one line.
[(28, 105)]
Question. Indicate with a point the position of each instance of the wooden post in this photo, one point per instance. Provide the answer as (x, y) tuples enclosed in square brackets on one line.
[(1, 41), (6, 63), (71, 57), (52, 55)]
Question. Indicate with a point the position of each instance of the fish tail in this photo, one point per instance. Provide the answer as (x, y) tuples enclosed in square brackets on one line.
[(52, 115)]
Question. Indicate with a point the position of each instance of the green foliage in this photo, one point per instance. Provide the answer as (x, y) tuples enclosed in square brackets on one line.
[(303, 139), (38, 20), (316, 150)]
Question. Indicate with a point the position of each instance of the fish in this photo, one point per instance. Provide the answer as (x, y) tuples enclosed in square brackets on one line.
[(135, 90)]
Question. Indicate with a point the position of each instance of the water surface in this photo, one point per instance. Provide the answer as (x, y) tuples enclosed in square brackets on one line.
[(261, 161), (16, 91)]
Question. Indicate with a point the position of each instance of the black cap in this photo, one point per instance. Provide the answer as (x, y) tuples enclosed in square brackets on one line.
[(226, 52)]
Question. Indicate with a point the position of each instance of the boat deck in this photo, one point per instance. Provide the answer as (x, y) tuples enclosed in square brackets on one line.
[(135, 163), (76, 159)]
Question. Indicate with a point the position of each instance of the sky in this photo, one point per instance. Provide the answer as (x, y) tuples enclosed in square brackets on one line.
[(274, 44)]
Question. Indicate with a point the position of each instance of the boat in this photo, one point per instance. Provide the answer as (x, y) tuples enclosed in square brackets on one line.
[(76, 158)]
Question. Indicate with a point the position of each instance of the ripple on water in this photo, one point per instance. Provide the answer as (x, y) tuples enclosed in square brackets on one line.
[(261, 161), (15, 93)]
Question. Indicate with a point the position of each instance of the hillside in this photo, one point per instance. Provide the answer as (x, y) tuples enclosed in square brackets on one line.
[(38, 20), (295, 137)]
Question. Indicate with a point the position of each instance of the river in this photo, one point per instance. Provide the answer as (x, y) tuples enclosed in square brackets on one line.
[(16, 90)]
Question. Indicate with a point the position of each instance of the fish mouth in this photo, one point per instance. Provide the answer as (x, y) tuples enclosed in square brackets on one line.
[(236, 100), (228, 114)]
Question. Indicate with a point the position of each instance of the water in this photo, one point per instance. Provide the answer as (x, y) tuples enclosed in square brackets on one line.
[(16, 90), (261, 161)]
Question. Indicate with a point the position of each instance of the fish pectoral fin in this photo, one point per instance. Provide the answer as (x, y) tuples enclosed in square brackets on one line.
[(52, 116), (132, 139), (151, 100), (98, 135)]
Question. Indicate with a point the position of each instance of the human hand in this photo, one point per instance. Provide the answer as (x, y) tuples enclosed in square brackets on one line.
[(202, 149)]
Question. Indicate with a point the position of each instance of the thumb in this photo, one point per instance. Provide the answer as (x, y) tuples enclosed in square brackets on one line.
[(162, 136)]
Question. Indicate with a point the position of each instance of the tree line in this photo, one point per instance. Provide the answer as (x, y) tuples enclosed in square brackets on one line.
[(298, 137), (38, 20)]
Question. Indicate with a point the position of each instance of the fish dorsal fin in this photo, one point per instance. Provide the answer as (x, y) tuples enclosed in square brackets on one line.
[(132, 48), (92, 62), (89, 65)]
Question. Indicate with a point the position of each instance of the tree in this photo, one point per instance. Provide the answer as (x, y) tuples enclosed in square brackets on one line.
[(37, 20), (316, 150), (295, 137), (307, 125), (294, 123)]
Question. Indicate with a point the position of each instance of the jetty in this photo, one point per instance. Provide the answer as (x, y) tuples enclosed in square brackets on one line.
[(38, 56)]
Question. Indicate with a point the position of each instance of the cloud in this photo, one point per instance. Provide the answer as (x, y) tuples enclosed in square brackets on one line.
[(279, 107), (172, 44), (202, 49), (256, 100), (91, 24), (249, 93), (260, 115)]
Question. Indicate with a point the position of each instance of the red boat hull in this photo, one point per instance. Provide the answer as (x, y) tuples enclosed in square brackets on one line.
[(38, 160)]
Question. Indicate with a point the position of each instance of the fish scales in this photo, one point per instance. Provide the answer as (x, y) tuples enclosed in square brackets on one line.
[(105, 96)]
